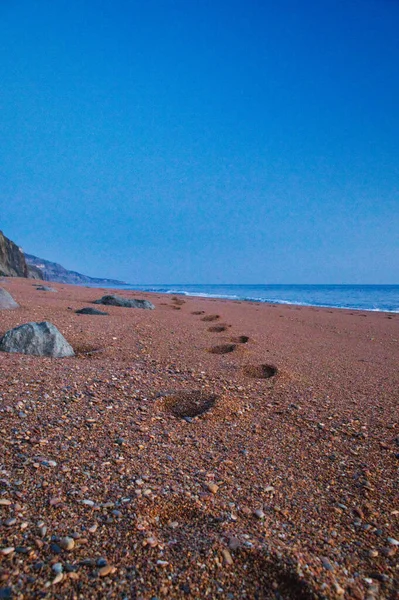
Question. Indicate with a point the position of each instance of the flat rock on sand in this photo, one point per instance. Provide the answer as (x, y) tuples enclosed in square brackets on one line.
[(7, 302), (45, 288), (89, 310), (115, 300), (40, 339)]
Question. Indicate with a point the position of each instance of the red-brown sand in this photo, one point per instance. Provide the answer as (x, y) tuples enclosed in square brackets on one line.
[(285, 484)]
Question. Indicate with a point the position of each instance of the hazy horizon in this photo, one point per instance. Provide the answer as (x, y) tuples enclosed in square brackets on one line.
[(218, 143)]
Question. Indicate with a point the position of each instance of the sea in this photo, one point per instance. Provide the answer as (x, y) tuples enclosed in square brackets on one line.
[(354, 297)]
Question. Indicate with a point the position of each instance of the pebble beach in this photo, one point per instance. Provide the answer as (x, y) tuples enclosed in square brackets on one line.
[(207, 449)]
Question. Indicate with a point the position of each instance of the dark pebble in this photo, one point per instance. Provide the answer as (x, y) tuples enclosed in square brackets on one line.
[(21, 550), (70, 568), (6, 592), (93, 574), (326, 564), (55, 548), (38, 565), (379, 576), (87, 562), (101, 562)]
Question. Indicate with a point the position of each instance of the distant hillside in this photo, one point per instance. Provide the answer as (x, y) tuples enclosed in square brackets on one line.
[(54, 272)]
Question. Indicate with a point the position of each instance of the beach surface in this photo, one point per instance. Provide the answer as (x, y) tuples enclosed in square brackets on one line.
[(204, 449)]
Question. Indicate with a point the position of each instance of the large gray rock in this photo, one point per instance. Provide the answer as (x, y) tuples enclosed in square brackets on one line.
[(114, 300), (40, 339), (7, 302)]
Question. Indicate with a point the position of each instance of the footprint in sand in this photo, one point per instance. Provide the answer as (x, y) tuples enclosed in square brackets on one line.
[(222, 349), (260, 371), (189, 404), (217, 328), (241, 339), (209, 318)]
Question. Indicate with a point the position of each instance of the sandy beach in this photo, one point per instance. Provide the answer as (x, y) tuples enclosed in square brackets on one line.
[(204, 449)]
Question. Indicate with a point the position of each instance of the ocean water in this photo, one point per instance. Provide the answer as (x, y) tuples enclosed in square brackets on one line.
[(355, 297)]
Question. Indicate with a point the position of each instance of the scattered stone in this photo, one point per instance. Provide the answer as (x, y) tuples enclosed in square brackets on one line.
[(106, 570), (45, 288), (39, 339), (259, 513), (67, 543), (326, 563), (114, 300), (212, 487), (88, 310), (7, 302), (227, 558), (234, 543), (55, 548), (392, 541), (57, 567)]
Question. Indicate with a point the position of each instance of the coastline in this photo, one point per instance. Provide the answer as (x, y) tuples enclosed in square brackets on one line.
[(371, 298), (286, 484)]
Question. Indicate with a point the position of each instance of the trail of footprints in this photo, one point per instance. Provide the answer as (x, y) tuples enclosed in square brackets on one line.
[(190, 404), (250, 565)]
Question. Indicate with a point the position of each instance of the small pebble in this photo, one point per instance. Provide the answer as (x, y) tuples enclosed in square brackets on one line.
[(107, 570), (228, 559), (57, 568), (326, 564), (101, 562), (67, 543), (392, 541), (212, 487)]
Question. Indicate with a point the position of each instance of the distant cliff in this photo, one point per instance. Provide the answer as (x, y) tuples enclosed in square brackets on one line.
[(54, 272), (12, 260)]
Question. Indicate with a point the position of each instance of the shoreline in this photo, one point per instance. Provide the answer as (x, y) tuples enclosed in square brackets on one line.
[(283, 484), (169, 291)]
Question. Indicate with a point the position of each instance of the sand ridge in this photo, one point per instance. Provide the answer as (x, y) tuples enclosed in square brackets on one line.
[(282, 486)]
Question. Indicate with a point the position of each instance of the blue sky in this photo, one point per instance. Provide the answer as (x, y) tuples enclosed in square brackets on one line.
[(222, 141)]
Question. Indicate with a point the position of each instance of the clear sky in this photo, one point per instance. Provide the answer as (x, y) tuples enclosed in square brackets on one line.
[(203, 141)]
